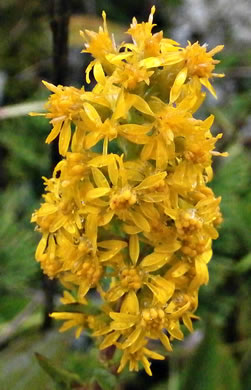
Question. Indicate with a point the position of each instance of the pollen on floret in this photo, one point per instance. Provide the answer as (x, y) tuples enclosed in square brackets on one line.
[(199, 61), (91, 271), (131, 278), (188, 223), (153, 319), (123, 199)]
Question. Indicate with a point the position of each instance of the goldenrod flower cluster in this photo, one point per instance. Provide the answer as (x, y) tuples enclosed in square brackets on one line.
[(128, 212)]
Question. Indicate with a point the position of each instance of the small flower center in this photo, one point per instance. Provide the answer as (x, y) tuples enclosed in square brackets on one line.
[(193, 249), (122, 200), (188, 223), (153, 319), (90, 271), (131, 278), (196, 156)]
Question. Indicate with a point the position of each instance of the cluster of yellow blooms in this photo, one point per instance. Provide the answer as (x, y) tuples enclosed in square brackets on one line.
[(135, 225)]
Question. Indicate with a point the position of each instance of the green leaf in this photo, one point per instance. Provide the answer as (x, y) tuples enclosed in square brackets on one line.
[(212, 367), (105, 379), (63, 379), (229, 372), (244, 264)]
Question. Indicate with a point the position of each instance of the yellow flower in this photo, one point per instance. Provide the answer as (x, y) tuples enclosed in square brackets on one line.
[(197, 63), (127, 211), (133, 324), (133, 276), (71, 320), (125, 198), (141, 33), (140, 355), (64, 107), (98, 44)]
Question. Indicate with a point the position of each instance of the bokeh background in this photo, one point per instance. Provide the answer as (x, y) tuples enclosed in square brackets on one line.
[(218, 355)]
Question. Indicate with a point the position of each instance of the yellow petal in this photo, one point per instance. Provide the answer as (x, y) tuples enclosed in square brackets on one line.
[(165, 341), (134, 129), (151, 62), (204, 81), (173, 58), (117, 58), (206, 256), (68, 298), (113, 172), (137, 139), (179, 269), (54, 132), (61, 315), (99, 73), (79, 331), (101, 161), (178, 82), (92, 113), (208, 122), (47, 209), (166, 285), (154, 197), (112, 244), (151, 181), (215, 50), (109, 340), (106, 218), (132, 338), (67, 325), (114, 293), (64, 138), (58, 222), (170, 247), (176, 333), (154, 261), (91, 97), (158, 293), (147, 151), (88, 70), (50, 86), (140, 104), (83, 290), (121, 109), (97, 193), (91, 229), (120, 325), (149, 211), (187, 322), (201, 271), (140, 221), (99, 178), (153, 355), (41, 246), (146, 365), (130, 303), (134, 248)]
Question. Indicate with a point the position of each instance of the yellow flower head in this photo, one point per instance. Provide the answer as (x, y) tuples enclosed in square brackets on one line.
[(142, 33), (127, 212), (99, 44), (197, 63)]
